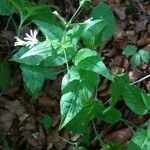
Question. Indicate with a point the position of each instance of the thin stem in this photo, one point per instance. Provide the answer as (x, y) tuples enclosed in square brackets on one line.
[(141, 79), (96, 91), (127, 123), (69, 142), (19, 27), (61, 71), (66, 60), (8, 21), (60, 18), (74, 16), (97, 134)]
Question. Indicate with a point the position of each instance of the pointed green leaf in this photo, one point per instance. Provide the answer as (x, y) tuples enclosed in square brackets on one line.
[(51, 31), (133, 99), (92, 38), (87, 59), (146, 100), (71, 101), (90, 110), (34, 76), (117, 87), (43, 49), (103, 10), (139, 141), (6, 8), (111, 115), (88, 79)]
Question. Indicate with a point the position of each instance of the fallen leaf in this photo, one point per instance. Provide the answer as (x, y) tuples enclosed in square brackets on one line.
[(120, 136), (6, 119)]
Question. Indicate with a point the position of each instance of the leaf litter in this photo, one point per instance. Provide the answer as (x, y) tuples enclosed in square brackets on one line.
[(20, 115)]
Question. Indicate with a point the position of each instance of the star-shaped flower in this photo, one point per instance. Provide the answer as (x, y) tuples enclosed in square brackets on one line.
[(30, 40)]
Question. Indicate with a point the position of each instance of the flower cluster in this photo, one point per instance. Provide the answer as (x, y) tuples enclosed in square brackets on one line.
[(30, 40)]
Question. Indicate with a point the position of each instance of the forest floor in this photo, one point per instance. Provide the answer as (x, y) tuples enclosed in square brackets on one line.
[(20, 114)]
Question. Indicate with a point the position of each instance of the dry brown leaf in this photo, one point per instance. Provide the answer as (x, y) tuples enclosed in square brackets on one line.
[(119, 136), (134, 75), (6, 119), (15, 107), (119, 11)]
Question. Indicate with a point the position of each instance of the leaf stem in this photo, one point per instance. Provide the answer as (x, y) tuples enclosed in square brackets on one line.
[(97, 134), (69, 142), (128, 124), (67, 65), (141, 79), (74, 16)]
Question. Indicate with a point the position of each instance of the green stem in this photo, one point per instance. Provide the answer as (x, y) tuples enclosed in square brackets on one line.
[(60, 18), (128, 124), (19, 27), (74, 16), (69, 142), (67, 65), (97, 134)]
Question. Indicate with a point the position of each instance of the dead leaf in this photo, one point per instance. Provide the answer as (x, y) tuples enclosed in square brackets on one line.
[(120, 136), (117, 70), (134, 75), (6, 119), (140, 25), (119, 11)]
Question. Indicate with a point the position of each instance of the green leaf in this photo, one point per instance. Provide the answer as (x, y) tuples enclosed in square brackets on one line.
[(144, 56), (4, 74), (90, 110), (146, 100), (87, 79), (30, 10), (51, 31), (129, 50), (135, 60), (47, 122), (87, 59), (76, 32), (133, 99), (92, 38), (111, 115), (19, 5), (75, 93), (6, 8), (43, 50), (117, 87), (104, 10), (29, 60), (113, 146), (44, 54), (34, 76), (140, 141), (40, 12)]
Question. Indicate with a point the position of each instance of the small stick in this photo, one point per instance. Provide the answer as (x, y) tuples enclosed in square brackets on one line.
[(141, 79)]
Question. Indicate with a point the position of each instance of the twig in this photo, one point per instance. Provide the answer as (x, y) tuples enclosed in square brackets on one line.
[(97, 134), (140, 79), (128, 124), (8, 21), (69, 142)]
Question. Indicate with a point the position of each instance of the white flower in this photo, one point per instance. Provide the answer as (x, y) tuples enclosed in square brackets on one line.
[(30, 40), (88, 21), (19, 42)]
